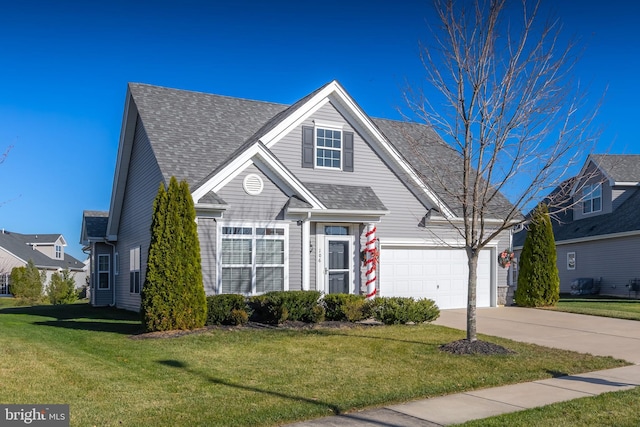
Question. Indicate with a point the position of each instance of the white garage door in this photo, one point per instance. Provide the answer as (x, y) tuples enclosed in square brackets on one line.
[(438, 274)]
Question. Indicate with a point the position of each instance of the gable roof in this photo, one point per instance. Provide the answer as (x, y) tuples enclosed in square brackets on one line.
[(21, 246), (199, 137), (94, 226), (620, 169)]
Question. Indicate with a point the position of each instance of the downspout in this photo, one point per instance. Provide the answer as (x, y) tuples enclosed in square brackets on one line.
[(92, 300), (113, 287)]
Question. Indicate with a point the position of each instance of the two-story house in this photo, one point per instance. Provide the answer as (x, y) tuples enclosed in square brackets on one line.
[(45, 250), (597, 225), (288, 197)]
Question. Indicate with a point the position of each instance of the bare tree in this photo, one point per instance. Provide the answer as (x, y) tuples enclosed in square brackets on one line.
[(506, 101)]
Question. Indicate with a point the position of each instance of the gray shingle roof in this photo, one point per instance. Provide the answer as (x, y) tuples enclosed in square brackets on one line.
[(192, 133), (439, 165), (619, 167), (347, 197), (195, 134), (95, 223), (18, 245)]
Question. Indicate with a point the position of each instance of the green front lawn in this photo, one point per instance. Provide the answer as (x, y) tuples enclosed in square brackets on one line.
[(242, 377), (600, 306), (618, 409)]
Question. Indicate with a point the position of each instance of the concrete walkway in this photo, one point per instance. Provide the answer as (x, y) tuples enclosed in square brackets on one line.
[(586, 334)]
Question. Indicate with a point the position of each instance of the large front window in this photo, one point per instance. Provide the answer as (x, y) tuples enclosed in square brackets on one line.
[(591, 198), (328, 148), (253, 258)]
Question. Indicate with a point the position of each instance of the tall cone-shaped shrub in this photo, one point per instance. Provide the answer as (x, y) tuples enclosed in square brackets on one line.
[(538, 280), (173, 295)]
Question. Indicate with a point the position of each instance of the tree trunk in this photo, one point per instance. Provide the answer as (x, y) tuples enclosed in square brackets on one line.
[(472, 262)]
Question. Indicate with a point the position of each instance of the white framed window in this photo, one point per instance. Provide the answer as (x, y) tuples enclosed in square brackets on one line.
[(253, 258), (591, 198), (103, 271), (134, 270), (328, 148), (4, 283), (58, 252), (571, 260)]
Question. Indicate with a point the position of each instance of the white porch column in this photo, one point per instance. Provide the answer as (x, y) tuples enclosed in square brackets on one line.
[(305, 255), (371, 260)]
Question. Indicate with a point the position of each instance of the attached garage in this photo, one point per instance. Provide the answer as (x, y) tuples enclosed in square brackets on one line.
[(436, 273)]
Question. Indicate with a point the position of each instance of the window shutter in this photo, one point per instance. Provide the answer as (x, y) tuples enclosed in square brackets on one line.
[(307, 147), (348, 152)]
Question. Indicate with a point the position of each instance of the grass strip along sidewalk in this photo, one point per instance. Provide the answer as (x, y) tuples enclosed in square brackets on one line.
[(88, 358)]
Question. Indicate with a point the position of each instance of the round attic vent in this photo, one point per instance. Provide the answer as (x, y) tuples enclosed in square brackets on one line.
[(252, 184)]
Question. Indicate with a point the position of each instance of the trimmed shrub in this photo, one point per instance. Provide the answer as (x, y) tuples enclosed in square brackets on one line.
[(538, 279), (396, 310), (26, 282), (238, 316), (341, 307), (62, 288), (424, 310), (220, 309), (280, 306)]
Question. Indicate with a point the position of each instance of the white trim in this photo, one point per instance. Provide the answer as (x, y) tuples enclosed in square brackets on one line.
[(306, 259), (108, 271), (253, 225), (316, 147), (260, 156), (327, 124)]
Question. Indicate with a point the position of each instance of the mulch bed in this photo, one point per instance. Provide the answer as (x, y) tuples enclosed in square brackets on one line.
[(474, 347)]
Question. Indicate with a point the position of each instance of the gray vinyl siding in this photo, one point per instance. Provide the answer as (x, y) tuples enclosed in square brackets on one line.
[(406, 210), (620, 194), (103, 297), (267, 206), (593, 177), (207, 234), (142, 186), (613, 260)]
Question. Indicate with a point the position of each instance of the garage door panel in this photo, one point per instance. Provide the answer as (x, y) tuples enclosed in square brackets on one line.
[(438, 274)]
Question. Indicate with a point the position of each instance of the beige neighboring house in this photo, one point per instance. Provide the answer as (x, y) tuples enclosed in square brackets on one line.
[(45, 250)]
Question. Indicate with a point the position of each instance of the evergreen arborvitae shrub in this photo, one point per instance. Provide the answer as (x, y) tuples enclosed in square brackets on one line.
[(538, 280), (27, 282), (173, 296), (62, 288)]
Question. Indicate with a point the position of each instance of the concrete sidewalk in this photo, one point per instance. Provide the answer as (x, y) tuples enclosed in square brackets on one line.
[(587, 334)]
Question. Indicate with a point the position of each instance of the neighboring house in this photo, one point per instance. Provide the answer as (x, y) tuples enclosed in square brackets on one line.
[(286, 198), (45, 250), (597, 231)]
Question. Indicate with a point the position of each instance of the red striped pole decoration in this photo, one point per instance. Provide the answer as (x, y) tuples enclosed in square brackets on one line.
[(371, 260)]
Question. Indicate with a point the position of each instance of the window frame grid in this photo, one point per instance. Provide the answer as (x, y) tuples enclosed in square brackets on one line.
[(269, 231), (317, 147), (101, 271), (588, 198)]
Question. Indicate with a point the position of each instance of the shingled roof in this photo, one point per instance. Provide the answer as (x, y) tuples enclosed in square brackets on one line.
[(621, 168), (193, 135), (21, 246)]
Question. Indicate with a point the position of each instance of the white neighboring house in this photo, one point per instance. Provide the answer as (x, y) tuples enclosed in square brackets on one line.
[(45, 250)]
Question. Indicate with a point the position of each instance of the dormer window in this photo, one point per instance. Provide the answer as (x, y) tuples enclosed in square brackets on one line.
[(591, 198), (58, 252)]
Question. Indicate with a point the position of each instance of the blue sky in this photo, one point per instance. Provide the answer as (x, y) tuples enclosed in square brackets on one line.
[(64, 67)]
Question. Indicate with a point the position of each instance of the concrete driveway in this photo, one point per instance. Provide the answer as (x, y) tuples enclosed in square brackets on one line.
[(599, 336)]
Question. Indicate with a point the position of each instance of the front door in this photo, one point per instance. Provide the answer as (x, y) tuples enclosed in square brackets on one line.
[(338, 274), (337, 258)]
